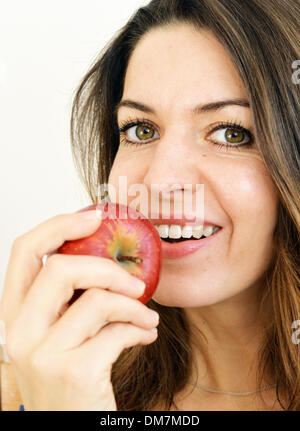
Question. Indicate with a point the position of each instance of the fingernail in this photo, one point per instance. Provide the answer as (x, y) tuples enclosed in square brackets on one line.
[(154, 330), (91, 214), (138, 284)]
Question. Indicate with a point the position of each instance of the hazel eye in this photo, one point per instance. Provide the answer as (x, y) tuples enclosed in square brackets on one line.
[(143, 132), (231, 136), (234, 136)]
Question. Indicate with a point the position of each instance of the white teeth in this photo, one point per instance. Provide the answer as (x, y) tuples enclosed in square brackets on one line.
[(187, 232), (163, 230), (175, 231), (208, 231), (197, 231)]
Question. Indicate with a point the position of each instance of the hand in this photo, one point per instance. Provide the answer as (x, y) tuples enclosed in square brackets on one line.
[(62, 356)]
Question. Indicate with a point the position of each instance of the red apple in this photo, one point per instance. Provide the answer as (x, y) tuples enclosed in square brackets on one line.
[(127, 237)]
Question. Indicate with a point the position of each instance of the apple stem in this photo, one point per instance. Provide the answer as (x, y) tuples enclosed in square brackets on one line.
[(130, 258)]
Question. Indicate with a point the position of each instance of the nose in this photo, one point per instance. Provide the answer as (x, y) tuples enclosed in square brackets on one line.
[(172, 164), (172, 175)]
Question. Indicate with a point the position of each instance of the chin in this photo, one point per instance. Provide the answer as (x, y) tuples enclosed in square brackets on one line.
[(184, 297), (176, 292)]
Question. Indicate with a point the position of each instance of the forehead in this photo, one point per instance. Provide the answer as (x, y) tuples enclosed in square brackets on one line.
[(181, 63)]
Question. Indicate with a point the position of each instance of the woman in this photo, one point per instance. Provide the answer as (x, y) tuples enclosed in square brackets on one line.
[(226, 311)]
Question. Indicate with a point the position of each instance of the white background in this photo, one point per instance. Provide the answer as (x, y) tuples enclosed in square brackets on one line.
[(45, 49)]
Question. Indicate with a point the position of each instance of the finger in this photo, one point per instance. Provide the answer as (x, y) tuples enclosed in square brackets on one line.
[(92, 311), (108, 344), (55, 284), (28, 250)]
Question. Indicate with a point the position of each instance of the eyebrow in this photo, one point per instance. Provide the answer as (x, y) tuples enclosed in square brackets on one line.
[(199, 109)]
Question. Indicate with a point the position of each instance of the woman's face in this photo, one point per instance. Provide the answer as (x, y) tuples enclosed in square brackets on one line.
[(172, 71)]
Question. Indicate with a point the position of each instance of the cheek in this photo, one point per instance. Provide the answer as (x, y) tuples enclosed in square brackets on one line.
[(126, 179), (120, 168), (126, 164), (250, 200), (252, 196)]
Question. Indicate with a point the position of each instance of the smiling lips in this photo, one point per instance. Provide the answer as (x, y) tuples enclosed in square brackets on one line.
[(175, 231), (185, 246), (180, 237)]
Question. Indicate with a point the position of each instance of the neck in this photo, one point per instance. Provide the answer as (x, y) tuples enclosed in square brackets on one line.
[(226, 354)]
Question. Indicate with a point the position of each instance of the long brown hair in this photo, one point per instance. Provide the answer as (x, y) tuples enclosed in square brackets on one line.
[(262, 39)]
